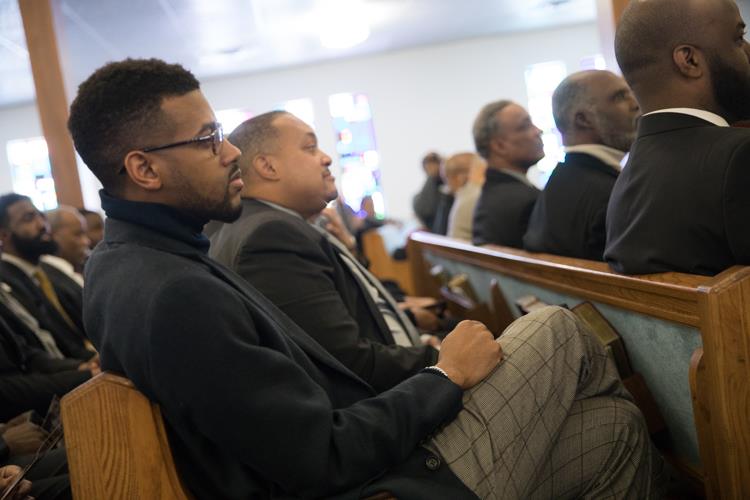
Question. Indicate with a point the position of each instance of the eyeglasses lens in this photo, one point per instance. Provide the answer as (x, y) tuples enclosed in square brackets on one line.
[(218, 139)]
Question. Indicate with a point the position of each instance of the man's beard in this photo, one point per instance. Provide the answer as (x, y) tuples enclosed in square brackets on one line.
[(731, 89), (31, 249), (613, 137), (202, 208)]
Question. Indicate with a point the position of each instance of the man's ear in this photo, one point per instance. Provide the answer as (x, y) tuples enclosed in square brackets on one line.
[(142, 171), (582, 120), (497, 146), (265, 167), (689, 61)]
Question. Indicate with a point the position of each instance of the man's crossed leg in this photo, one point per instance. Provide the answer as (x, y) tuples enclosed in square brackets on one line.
[(552, 420)]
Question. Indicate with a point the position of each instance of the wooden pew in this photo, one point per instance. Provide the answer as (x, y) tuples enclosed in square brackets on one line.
[(383, 266), (699, 316), (116, 444)]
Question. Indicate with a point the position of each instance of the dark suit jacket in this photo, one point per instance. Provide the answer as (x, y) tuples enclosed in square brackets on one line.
[(69, 340), (570, 213), (254, 407), (29, 378), (502, 212), (682, 202), (442, 214), (425, 203), (296, 267)]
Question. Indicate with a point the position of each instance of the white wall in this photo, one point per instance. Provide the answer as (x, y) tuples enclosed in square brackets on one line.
[(422, 99)]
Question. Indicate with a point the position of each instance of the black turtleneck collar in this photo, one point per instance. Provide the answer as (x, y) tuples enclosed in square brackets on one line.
[(159, 217)]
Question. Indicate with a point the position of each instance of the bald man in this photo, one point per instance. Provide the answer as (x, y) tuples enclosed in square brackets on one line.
[(596, 114), (681, 202), (303, 270), (68, 231)]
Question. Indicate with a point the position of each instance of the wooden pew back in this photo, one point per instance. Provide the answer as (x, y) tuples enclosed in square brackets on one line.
[(116, 444), (382, 265), (682, 312)]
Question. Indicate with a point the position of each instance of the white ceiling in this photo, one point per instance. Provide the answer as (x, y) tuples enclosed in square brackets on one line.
[(214, 38)]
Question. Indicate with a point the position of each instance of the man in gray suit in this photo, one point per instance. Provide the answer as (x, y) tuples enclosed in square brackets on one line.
[(303, 269)]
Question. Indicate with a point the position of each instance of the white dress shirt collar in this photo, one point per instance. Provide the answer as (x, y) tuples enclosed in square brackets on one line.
[(611, 156), (64, 266), (698, 113)]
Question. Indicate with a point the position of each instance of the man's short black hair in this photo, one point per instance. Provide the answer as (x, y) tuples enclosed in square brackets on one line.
[(6, 201), (118, 108)]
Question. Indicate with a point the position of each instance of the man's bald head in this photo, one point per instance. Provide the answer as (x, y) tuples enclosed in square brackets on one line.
[(68, 228), (256, 136), (648, 32), (595, 107), (282, 163), (685, 53)]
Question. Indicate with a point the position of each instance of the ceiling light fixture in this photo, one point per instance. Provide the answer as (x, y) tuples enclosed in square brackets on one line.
[(343, 24)]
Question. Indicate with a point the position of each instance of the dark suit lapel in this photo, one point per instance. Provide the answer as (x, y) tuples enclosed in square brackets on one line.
[(254, 207), (385, 332)]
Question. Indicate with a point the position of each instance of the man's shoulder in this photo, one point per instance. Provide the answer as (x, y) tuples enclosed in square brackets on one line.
[(267, 222), (259, 227), (142, 263), (580, 171), (512, 187), (150, 277), (15, 276), (7, 267), (717, 146), (706, 137)]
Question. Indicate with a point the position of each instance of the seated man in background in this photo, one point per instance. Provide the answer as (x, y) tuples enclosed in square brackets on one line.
[(455, 174), (253, 406), (461, 217), (505, 136), (306, 271), (681, 202), (25, 237), (426, 201), (596, 114), (31, 377), (69, 231)]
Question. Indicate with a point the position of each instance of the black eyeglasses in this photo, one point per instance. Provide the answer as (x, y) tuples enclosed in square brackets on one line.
[(216, 137)]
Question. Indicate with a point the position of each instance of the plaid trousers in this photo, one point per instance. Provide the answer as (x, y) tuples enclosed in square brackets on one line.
[(552, 420)]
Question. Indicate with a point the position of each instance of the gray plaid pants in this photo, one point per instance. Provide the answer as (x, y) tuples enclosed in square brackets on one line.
[(552, 420)]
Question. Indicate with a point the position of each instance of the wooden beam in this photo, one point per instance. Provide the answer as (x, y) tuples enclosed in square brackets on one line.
[(51, 99), (608, 13)]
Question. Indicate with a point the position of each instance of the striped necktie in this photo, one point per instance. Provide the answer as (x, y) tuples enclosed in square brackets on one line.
[(409, 330)]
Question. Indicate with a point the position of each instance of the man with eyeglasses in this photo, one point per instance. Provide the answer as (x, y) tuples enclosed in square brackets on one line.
[(255, 407)]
